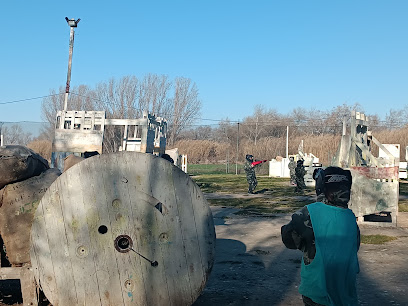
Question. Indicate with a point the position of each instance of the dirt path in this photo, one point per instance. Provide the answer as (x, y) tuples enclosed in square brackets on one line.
[(253, 267)]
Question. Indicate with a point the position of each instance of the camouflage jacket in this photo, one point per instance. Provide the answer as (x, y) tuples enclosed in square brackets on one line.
[(249, 169), (292, 166), (300, 171)]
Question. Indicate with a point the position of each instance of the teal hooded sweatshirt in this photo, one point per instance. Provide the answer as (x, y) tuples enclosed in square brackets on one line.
[(330, 279)]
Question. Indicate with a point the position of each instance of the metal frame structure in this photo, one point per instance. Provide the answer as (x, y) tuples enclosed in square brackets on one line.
[(375, 186), (77, 132)]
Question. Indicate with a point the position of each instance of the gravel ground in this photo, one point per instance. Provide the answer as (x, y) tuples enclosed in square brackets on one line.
[(253, 267)]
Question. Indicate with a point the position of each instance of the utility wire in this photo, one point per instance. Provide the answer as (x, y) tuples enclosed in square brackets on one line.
[(217, 125), (28, 99), (250, 121), (20, 122)]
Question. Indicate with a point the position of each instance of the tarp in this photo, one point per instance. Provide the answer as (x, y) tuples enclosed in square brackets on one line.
[(18, 163)]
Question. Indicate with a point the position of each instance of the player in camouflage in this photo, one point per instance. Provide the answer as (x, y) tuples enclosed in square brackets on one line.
[(292, 166), (333, 188), (250, 173), (300, 177), (318, 176)]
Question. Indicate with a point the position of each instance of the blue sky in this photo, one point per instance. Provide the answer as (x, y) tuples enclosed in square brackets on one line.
[(280, 54)]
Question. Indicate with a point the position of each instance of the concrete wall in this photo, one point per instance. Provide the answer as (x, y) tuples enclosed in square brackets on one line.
[(279, 168), (374, 190), (77, 141)]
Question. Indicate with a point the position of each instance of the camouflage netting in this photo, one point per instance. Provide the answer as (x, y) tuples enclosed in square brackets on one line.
[(18, 163), (18, 203), (71, 160)]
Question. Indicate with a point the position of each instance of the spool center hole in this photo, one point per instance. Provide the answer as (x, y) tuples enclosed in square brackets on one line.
[(123, 243)]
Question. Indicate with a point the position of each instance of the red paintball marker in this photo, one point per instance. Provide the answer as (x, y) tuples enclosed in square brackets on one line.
[(258, 162)]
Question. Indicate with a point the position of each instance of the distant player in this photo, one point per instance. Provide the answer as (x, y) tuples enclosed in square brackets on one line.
[(249, 168), (292, 166), (300, 177)]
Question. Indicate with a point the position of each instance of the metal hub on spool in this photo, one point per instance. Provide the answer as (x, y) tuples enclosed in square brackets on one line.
[(123, 243)]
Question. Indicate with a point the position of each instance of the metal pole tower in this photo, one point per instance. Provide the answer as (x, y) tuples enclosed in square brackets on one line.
[(72, 24), (236, 159), (1, 134)]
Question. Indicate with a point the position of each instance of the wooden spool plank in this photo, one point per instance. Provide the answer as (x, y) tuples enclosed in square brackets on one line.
[(103, 252), (149, 224), (58, 244), (40, 253), (170, 241), (78, 237), (118, 206), (145, 197), (198, 248)]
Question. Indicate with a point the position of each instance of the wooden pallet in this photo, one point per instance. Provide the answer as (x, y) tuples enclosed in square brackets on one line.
[(26, 276)]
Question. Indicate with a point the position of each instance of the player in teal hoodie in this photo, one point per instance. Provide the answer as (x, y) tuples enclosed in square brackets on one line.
[(329, 237)]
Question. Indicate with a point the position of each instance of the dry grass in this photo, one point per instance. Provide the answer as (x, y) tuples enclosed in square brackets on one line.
[(205, 151), (42, 147), (376, 239), (399, 136)]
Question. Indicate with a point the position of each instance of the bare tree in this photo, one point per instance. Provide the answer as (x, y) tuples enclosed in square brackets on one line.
[(203, 132), (227, 132), (396, 119), (128, 98), (154, 94), (263, 123), (49, 107), (334, 119), (119, 99), (14, 135), (185, 106)]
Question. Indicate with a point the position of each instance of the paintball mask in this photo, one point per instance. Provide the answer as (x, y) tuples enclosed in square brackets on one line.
[(249, 157), (337, 183)]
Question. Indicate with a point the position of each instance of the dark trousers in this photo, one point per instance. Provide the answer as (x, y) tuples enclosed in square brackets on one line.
[(308, 302)]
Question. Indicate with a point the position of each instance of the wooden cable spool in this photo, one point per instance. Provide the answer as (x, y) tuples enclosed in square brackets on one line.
[(125, 228)]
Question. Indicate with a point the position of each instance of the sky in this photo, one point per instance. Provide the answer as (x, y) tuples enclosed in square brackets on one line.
[(278, 54)]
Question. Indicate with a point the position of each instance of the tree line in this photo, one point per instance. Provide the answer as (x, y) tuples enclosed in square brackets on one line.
[(175, 100), (262, 134)]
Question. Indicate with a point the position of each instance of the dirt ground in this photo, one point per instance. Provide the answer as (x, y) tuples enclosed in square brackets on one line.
[(252, 266)]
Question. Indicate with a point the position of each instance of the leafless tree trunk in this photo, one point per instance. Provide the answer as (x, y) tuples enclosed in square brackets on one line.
[(185, 106), (154, 94)]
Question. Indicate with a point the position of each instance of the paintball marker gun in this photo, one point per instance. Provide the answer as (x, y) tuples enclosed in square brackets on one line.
[(258, 162)]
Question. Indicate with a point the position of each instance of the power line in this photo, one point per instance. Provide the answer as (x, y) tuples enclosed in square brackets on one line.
[(19, 122), (28, 99), (285, 122)]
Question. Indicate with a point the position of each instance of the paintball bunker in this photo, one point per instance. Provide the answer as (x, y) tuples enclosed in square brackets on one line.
[(280, 168), (375, 189)]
